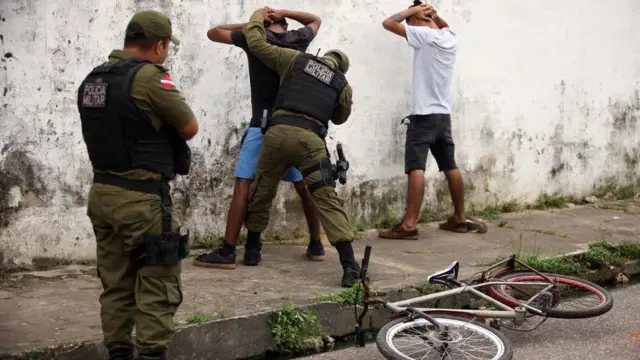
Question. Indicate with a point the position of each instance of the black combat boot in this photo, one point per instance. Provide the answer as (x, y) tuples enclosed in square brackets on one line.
[(252, 254), (349, 265), (121, 354)]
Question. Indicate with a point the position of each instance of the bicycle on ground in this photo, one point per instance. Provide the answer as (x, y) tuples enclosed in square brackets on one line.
[(448, 333)]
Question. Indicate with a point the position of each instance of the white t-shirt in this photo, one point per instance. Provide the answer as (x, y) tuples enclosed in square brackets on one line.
[(433, 60)]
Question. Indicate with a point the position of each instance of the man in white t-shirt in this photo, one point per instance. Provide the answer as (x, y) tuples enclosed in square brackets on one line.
[(434, 45)]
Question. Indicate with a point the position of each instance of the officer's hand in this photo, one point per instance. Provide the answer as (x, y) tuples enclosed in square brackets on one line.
[(275, 15), (264, 13)]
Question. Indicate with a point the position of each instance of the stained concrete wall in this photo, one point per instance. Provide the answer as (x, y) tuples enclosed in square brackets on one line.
[(546, 99)]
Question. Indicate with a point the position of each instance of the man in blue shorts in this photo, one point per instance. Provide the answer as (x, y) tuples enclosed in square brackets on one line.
[(264, 88)]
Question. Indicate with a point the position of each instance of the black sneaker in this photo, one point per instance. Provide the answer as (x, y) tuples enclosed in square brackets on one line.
[(350, 276), (252, 256), (215, 260), (315, 251)]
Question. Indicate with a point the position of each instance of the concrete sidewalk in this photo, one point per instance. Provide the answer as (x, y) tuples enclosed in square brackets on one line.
[(50, 308)]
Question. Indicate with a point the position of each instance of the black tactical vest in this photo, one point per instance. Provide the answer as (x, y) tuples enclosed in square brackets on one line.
[(312, 88), (119, 137)]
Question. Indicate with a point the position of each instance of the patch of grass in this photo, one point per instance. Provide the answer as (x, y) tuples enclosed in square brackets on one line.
[(348, 297), (242, 240), (627, 192), (510, 206), (210, 242), (198, 318), (600, 255), (387, 220), (291, 327), (555, 201), (491, 213), (428, 288)]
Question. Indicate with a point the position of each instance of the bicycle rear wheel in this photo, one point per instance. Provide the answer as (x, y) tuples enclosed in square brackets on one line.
[(461, 339), (599, 299)]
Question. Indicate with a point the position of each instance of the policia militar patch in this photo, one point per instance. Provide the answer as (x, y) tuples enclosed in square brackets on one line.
[(319, 71), (95, 94)]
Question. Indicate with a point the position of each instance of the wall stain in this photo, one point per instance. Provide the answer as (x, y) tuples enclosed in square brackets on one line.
[(21, 171)]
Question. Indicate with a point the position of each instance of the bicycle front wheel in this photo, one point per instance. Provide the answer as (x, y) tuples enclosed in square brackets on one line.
[(573, 298), (458, 338)]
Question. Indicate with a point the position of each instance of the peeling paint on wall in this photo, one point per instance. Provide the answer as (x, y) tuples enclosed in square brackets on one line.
[(534, 111)]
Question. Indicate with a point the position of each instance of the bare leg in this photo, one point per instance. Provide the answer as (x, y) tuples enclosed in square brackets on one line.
[(237, 211), (224, 256), (415, 194), (310, 211), (456, 188)]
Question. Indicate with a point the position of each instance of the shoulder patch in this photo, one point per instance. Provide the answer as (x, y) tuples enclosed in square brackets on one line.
[(167, 81)]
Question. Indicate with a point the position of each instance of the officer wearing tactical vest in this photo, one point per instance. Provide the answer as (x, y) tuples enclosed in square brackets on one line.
[(135, 124), (313, 90)]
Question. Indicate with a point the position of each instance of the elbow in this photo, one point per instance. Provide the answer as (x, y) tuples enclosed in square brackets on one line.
[(215, 35), (190, 130), (385, 24), (211, 34)]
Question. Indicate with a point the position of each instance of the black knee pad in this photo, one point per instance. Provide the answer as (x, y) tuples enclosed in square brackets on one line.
[(326, 169)]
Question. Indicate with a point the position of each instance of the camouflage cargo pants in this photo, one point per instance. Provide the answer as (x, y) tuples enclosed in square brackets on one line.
[(286, 146), (146, 298)]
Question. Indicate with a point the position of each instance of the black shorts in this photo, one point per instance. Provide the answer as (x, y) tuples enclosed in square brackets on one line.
[(426, 132)]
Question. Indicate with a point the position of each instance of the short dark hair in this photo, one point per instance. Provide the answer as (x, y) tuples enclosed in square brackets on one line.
[(415, 3), (143, 42), (281, 22)]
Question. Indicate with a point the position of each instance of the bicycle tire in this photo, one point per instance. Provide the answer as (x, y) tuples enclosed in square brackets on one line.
[(497, 292), (390, 352)]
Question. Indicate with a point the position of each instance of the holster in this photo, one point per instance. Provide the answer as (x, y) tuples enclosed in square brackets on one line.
[(167, 248)]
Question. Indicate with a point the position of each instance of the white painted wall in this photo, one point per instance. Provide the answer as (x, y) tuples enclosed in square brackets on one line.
[(538, 84)]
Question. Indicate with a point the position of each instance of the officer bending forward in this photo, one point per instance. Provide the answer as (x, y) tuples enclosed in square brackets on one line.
[(313, 90), (135, 123)]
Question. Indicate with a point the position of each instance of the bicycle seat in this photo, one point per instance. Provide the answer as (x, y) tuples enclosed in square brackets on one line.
[(441, 277)]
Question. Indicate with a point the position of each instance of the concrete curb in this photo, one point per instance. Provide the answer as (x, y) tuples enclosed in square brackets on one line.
[(228, 339)]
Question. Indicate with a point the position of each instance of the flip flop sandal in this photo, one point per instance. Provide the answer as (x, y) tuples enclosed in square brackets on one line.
[(397, 233), (477, 225), (451, 225)]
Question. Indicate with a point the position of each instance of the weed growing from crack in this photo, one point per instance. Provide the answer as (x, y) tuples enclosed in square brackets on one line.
[(291, 327), (555, 201), (387, 220), (349, 296), (198, 318)]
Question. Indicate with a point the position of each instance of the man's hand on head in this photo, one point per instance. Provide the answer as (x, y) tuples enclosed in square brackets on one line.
[(426, 12)]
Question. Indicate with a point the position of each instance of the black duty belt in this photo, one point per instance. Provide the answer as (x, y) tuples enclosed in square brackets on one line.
[(318, 129), (161, 188)]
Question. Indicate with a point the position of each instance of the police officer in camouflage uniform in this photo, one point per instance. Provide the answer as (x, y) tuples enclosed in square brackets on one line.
[(135, 124), (313, 90)]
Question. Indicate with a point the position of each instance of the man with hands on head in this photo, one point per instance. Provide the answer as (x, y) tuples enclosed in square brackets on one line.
[(264, 88), (434, 45), (313, 91)]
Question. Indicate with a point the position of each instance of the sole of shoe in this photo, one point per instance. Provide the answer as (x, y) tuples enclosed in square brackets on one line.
[(407, 237), (214, 266), (316, 257)]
